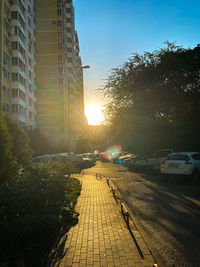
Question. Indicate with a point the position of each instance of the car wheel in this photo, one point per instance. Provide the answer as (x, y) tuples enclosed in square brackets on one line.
[(196, 175)]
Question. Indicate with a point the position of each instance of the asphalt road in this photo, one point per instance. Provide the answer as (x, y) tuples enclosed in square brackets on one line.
[(167, 211)]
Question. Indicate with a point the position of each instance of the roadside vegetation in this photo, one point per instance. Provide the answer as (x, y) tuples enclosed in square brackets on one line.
[(37, 200), (153, 101)]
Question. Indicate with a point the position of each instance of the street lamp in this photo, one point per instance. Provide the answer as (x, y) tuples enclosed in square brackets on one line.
[(85, 67)]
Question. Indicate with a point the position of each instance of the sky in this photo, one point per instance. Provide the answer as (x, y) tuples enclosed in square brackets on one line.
[(111, 30)]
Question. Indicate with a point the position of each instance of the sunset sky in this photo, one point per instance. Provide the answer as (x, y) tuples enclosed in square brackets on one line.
[(110, 30)]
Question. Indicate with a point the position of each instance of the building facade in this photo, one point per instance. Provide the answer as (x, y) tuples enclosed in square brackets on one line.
[(60, 108), (17, 61)]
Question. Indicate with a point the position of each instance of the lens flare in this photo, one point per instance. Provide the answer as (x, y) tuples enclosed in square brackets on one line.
[(113, 151)]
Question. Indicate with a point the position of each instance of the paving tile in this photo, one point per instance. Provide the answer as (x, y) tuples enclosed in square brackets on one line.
[(101, 237)]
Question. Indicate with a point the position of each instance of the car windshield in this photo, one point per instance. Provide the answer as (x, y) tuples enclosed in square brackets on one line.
[(178, 157), (196, 156)]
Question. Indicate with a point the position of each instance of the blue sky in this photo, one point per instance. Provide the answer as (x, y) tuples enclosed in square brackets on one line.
[(111, 30)]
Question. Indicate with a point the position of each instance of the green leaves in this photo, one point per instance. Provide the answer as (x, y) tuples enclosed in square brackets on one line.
[(35, 207), (158, 89)]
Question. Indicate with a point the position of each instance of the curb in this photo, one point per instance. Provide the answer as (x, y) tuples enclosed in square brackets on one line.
[(144, 236), (135, 226)]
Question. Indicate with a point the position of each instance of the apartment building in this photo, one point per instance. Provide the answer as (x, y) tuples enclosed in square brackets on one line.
[(59, 73), (17, 61)]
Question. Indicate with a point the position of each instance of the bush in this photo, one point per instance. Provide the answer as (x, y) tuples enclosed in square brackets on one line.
[(6, 161), (84, 164), (35, 207), (21, 150)]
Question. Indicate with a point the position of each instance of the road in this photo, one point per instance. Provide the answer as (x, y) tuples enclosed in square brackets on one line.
[(168, 212)]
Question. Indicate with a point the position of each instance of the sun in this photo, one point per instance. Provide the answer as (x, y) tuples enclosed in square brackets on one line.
[(94, 114)]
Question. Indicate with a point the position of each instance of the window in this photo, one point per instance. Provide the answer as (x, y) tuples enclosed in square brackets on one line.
[(5, 107), (29, 48), (14, 45), (6, 10), (21, 66), (30, 88), (6, 90), (22, 110), (61, 59), (68, 30), (6, 26), (21, 80), (21, 21), (14, 77), (60, 36), (178, 157), (61, 70), (196, 156), (29, 10), (15, 61), (6, 74), (59, 12), (14, 92), (14, 14), (6, 41), (21, 50), (5, 59), (30, 61), (59, 23), (59, 2), (61, 81), (14, 108), (29, 36), (29, 22), (69, 40), (22, 95)]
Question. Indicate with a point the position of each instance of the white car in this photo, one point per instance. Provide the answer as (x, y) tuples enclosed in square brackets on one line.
[(187, 163)]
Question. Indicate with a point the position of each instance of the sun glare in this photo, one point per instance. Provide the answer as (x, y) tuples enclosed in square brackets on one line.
[(94, 114)]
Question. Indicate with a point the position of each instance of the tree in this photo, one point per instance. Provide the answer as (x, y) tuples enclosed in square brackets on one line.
[(6, 160), (21, 150), (154, 95)]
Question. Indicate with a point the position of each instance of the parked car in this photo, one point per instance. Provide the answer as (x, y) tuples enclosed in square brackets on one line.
[(158, 157), (104, 156), (124, 157), (137, 163), (122, 153), (128, 160), (187, 163)]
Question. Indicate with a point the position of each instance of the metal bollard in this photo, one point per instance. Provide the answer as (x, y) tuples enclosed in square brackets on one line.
[(108, 182), (122, 209), (127, 219)]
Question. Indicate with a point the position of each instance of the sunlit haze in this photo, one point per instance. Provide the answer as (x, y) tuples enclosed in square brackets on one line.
[(94, 114)]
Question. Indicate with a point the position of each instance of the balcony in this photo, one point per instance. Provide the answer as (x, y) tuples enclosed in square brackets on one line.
[(18, 85)]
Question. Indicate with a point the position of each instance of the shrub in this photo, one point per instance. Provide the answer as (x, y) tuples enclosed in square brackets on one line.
[(6, 161), (21, 150), (35, 207)]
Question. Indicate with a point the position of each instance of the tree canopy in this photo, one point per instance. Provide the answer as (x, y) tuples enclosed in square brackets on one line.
[(154, 99)]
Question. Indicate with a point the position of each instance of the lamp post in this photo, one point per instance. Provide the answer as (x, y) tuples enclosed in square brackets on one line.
[(69, 111)]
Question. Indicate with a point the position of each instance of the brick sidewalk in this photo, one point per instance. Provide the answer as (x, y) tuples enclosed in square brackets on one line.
[(101, 237)]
